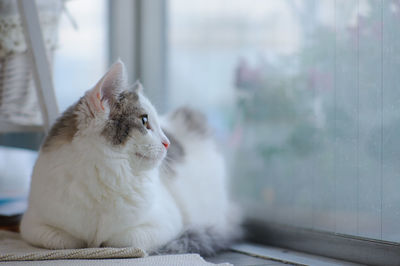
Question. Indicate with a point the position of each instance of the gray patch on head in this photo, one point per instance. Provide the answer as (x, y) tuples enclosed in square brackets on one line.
[(124, 117), (194, 121), (175, 154), (63, 130)]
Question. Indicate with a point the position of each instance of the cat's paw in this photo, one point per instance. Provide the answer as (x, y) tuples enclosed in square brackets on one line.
[(140, 237), (56, 239), (48, 237)]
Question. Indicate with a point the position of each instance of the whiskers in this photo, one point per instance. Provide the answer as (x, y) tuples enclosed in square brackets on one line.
[(148, 152), (167, 166)]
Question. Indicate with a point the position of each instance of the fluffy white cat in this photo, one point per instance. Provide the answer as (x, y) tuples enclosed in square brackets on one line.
[(112, 173)]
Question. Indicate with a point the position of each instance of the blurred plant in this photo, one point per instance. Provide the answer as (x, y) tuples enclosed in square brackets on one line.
[(292, 115)]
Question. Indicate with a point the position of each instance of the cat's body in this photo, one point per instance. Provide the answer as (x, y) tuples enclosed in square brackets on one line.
[(102, 178)]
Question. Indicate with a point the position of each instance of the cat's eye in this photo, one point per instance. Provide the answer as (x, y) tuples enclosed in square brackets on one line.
[(145, 121)]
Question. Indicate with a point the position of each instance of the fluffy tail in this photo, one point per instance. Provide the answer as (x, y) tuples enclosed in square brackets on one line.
[(204, 241)]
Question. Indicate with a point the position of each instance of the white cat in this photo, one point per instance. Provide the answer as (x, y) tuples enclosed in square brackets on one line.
[(107, 175)]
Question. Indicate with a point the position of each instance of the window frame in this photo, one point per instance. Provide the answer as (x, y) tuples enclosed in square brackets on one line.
[(137, 34), (334, 245)]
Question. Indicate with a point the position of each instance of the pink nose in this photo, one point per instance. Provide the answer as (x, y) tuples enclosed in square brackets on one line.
[(166, 144)]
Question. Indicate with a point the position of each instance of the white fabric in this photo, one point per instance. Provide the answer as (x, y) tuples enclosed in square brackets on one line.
[(18, 99), (12, 38), (14, 251), (15, 171), (19, 103)]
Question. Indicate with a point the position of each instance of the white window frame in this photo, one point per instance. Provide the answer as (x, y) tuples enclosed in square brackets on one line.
[(137, 32)]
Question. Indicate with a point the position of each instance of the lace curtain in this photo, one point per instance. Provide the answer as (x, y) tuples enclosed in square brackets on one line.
[(18, 100)]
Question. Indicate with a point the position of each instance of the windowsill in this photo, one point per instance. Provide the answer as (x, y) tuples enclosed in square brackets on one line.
[(324, 244), (254, 254)]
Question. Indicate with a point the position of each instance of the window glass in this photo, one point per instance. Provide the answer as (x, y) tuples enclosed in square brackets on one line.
[(304, 96), (81, 58), (78, 62)]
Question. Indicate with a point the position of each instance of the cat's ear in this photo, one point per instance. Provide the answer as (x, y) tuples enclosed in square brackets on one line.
[(137, 87), (108, 88)]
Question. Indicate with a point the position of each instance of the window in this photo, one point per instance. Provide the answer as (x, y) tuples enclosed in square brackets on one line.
[(81, 57), (78, 63), (305, 96)]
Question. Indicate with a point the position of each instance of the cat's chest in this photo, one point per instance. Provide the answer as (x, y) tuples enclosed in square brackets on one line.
[(99, 219)]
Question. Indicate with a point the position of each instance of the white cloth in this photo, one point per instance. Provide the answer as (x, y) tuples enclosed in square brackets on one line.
[(12, 38), (18, 99)]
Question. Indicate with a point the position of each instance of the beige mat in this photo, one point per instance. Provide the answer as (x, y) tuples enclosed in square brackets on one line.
[(169, 260), (13, 248), (14, 251)]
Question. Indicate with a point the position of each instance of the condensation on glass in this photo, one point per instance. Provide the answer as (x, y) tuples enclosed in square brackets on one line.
[(305, 96)]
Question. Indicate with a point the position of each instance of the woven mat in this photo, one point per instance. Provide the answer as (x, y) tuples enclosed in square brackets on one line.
[(13, 248), (14, 251), (168, 260)]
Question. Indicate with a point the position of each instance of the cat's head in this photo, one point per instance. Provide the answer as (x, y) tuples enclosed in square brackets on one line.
[(117, 115)]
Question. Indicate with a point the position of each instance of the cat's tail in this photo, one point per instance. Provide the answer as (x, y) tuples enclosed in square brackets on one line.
[(204, 241)]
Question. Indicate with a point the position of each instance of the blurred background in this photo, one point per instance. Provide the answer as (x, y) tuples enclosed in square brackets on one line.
[(303, 96)]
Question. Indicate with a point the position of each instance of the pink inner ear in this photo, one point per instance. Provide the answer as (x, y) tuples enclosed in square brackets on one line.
[(101, 102), (113, 82), (94, 99)]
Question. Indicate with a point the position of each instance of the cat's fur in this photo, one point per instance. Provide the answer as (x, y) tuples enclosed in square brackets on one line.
[(103, 179)]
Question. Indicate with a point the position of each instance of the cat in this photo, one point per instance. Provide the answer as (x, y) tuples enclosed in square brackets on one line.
[(112, 173)]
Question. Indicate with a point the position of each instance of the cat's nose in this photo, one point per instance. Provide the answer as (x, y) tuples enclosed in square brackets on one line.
[(166, 144), (164, 140)]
